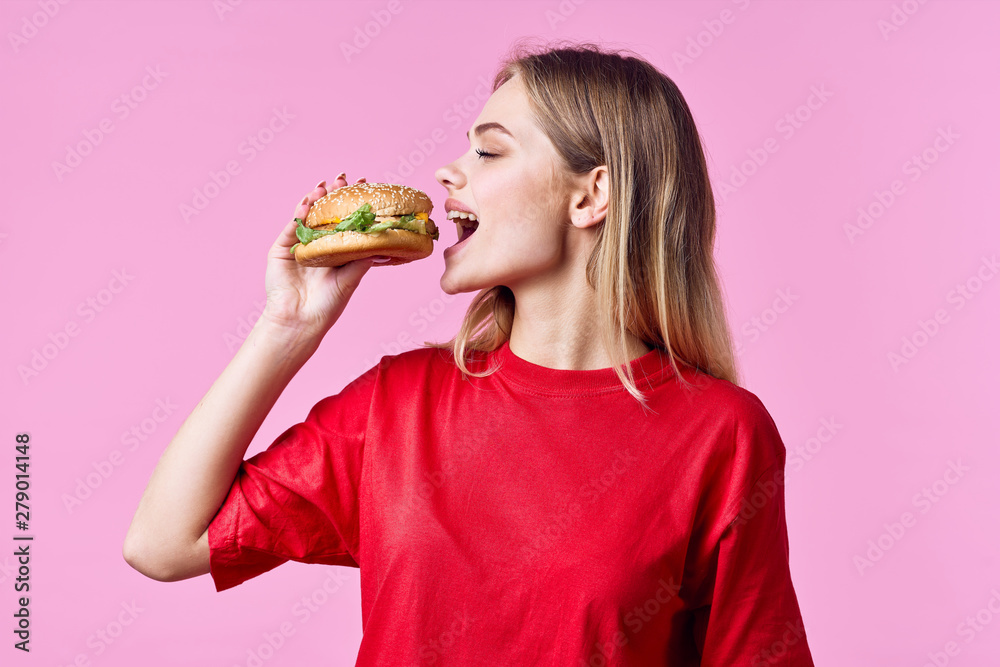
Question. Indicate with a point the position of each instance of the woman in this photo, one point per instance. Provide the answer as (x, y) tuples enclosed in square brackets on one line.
[(575, 478)]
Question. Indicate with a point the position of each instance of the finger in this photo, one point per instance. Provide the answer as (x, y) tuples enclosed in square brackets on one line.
[(346, 278), (360, 180), (317, 192), (287, 236), (302, 208), (340, 181)]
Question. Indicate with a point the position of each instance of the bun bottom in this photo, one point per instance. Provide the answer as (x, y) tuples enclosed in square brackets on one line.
[(343, 247)]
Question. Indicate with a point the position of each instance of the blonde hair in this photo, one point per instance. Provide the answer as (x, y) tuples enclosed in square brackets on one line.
[(652, 264)]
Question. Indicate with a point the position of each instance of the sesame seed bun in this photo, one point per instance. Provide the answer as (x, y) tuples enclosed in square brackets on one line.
[(386, 200)]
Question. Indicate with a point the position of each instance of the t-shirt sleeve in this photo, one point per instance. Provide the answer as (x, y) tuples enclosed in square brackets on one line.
[(752, 616), (298, 499)]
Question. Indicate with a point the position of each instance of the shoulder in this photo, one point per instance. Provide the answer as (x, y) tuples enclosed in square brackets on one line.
[(723, 398), (391, 376), (418, 357), (422, 364), (747, 434), (744, 445)]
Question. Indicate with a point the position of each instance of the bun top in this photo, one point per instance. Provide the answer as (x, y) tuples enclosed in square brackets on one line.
[(385, 199)]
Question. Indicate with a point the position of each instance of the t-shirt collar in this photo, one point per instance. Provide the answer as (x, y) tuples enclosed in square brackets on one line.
[(648, 370)]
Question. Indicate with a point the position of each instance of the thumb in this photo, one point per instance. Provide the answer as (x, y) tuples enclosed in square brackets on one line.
[(349, 276), (287, 235)]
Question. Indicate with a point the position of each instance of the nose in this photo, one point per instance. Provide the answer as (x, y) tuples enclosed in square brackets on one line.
[(450, 177)]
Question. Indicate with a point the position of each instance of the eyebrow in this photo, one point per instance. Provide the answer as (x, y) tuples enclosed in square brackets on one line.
[(485, 127)]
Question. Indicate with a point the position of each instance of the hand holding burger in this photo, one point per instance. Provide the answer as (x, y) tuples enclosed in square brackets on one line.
[(304, 302)]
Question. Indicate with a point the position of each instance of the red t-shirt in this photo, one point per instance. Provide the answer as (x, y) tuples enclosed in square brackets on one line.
[(532, 517)]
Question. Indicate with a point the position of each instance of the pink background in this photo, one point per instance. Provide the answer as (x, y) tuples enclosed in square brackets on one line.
[(817, 313)]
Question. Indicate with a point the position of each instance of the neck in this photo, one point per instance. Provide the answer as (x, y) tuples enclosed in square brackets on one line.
[(555, 325)]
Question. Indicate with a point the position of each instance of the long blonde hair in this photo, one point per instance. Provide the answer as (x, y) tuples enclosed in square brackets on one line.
[(652, 264)]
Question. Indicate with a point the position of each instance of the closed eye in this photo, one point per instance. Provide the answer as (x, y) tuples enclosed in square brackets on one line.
[(484, 155)]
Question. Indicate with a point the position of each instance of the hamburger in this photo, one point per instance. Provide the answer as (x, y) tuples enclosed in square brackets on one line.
[(366, 219)]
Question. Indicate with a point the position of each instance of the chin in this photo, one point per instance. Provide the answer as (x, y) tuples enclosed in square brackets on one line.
[(451, 285)]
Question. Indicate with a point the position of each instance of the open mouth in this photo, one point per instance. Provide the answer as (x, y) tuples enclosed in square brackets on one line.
[(467, 223)]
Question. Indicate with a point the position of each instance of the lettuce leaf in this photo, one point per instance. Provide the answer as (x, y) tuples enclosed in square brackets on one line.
[(359, 221), (362, 220)]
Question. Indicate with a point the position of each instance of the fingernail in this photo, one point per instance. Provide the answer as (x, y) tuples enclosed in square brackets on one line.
[(321, 184), (361, 180), (341, 175), (305, 200)]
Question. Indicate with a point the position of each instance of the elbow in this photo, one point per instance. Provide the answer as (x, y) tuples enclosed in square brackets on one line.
[(146, 561)]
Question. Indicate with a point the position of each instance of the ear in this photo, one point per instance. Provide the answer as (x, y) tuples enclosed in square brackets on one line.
[(589, 201)]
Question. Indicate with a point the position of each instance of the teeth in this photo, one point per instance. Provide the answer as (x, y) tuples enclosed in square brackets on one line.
[(461, 214)]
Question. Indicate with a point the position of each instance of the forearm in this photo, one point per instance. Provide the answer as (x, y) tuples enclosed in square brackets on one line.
[(196, 470)]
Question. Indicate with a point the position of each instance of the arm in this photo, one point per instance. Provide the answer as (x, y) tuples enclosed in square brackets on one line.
[(746, 611), (168, 537), (753, 616)]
